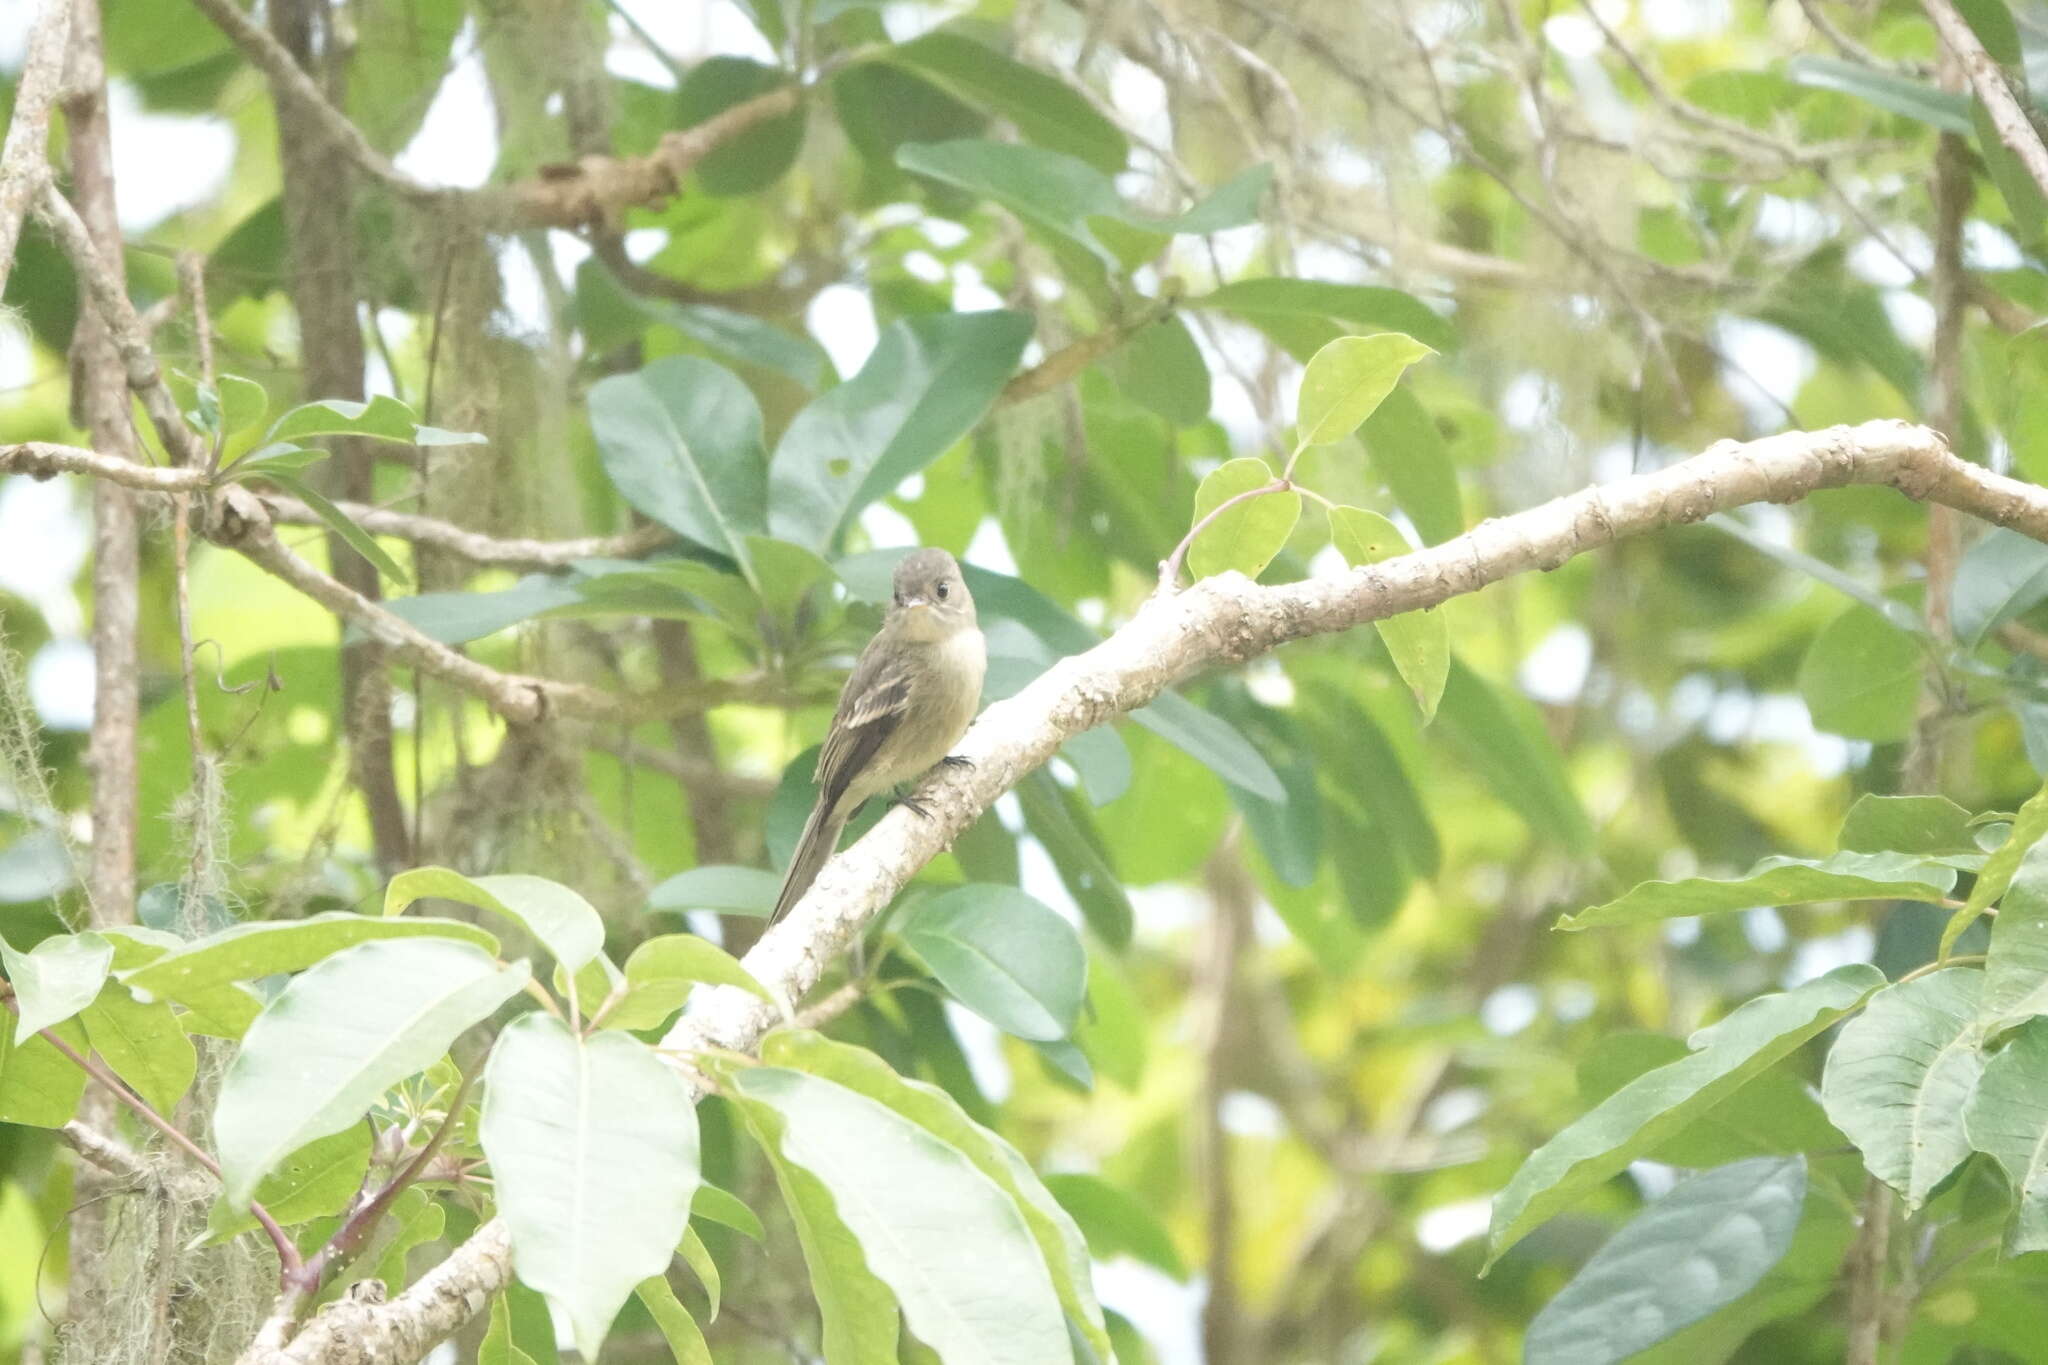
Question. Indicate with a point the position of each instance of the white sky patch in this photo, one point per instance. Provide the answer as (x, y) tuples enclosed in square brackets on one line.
[(1912, 316), (1653, 1178), (1774, 365), (886, 527), (1344, 165), (60, 684), (1794, 223), (1510, 1009), (1872, 261), (1818, 956), (971, 293), (1989, 248), (989, 549), (1527, 398), (47, 541), (924, 266), (1556, 670), (1140, 96), (17, 356), (1452, 1225), (1454, 1109), (1432, 153), (1764, 928), (842, 318), (1166, 1313), (1673, 20), (457, 144), (1244, 1114), (164, 163), (523, 300), (982, 1044)]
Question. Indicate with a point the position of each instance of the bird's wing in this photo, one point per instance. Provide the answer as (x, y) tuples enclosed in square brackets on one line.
[(870, 709)]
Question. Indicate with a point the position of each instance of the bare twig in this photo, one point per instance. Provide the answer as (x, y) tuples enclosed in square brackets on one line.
[(509, 552), (46, 459), (22, 166), (2015, 129)]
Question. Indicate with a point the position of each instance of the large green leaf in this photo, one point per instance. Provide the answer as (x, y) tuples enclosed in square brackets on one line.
[(1861, 677), (593, 1150), (728, 890), (247, 952), (567, 925), (914, 1202), (1899, 1074), (2029, 827), (1073, 200), (857, 1310), (56, 979), (2002, 576), (1059, 1240), (1418, 641), (1704, 1244), (2016, 974), (1642, 1114), (317, 1181), (1778, 881), (1044, 108), (928, 381), (2007, 1116), (338, 1037), (1907, 824), (681, 440), (144, 1044), (1246, 536), (1003, 955), (39, 1086), (1348, 379)]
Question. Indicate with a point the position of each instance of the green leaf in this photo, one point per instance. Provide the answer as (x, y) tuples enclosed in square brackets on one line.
[(415, 1219), (1161, 368), (39, 1086), (340, 1035), (567, 925), (857, 1310), (1116, 1224), (1892, 93), (272, 460), (338, 521), (2015, 182), (2016, 972), (725, 1209), (913, 1202), (2029, 824), (1347, 380), (1409, 454), (1211, 741), (1906, 824), (1778, 881), (144, 1044), (2002, 576), (681, 440), (661, 971), (1003, 955), (1247, 536), (316, 1181), (1370, 306), (1059, 1240), (742, 337), (496, 1347), (1508, 746), (1072, 199), (1705, 1244), (698, 1257), (382, 418), (56, 979), (1044, 108), (755, 158), (685, 1339), (247, 952), (1648, 1110), (727, 890), (1418, 641), (2007, 1116), (1861, 677), (1112, 1030), (593, 1148), (928, 381), (456, 618), (1078, 856), (1898, 1076), (243, 403)]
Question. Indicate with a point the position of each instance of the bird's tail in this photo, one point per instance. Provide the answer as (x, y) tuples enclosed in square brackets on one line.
[(817, 843)]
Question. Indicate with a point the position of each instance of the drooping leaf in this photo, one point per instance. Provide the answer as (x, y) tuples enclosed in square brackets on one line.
[(1657, 1104), (1003, 955), (698, 1257), (726, 1210), (684, 1337), (251, 951), (1347, 380), (928, 381), (681, 440), (913, 1201), (1778, 881), (340, 523), (56, 979), (593, 1148), (1246, 536), (1419, 641), (1705, 1244), (2007, 1116), (567, 925), (340, 1035), (1899, 1074), (1078, 856)]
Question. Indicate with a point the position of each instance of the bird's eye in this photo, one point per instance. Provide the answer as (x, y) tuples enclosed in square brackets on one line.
[(941, 589)]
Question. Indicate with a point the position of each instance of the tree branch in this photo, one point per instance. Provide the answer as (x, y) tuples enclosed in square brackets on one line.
[(476, 547), (2015, 129), (47, 459), (22, 163)]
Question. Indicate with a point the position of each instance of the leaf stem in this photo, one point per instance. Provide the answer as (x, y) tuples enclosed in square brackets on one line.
[(1929, 968), (1169, 572)]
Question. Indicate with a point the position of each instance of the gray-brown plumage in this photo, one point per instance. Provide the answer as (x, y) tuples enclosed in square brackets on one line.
[(913, 691)]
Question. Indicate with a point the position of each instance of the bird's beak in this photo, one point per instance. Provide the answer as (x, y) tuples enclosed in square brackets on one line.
[(913, 603)]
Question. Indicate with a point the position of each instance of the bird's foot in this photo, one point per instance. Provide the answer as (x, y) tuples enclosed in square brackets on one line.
[(956, 761)]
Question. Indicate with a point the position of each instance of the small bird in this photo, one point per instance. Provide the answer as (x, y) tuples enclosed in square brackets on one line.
[(913, 691)]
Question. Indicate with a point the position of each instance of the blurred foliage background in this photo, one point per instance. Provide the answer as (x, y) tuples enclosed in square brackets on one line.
[(1324, 1029)]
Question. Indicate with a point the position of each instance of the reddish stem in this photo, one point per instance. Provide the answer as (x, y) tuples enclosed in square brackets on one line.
[(1169, 572)]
